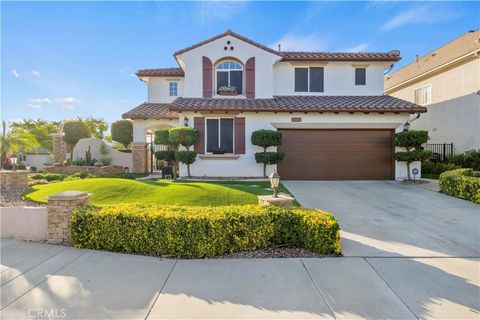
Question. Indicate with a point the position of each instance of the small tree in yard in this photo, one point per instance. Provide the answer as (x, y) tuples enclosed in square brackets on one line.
[(412, 141), (267, 138), (163, 137), (122, 132), (186, 137), (73, 131)]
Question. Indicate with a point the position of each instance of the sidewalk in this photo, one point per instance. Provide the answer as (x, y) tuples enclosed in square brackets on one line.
[(39, 280)]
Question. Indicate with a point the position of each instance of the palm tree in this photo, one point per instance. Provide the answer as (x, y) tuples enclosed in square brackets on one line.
[(14, 141)]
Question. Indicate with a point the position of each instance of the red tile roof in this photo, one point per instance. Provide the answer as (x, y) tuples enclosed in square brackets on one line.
[(151, 110), (340, 56), (161, 72), (299, 104)]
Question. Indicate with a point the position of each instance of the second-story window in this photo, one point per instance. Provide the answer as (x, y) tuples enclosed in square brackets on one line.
[(360, 76), (229, 74), (309, 79), (423, 95), (173, 89)]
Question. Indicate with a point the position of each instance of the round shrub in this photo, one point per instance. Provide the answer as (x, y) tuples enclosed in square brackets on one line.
[(186, 157), (184, 136), (461, 183), (266, 138), (162, 137), (122, 132), (165, 155), (98, 164), (269, 157)]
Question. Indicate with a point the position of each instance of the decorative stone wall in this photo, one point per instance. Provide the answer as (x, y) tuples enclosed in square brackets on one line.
[(139, 152), (14, 181), (59, 148), (106, 170), (59, 208)]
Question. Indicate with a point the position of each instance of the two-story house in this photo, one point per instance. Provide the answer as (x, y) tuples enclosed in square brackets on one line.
[(447, 82), (330, 108)]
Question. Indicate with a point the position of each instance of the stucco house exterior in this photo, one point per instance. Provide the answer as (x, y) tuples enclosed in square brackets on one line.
[(330, 108), (447, 82)]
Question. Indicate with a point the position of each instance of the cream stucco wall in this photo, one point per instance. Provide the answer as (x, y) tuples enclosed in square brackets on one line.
[(158, 89), (245, 165), (339, 78), (454, 114)]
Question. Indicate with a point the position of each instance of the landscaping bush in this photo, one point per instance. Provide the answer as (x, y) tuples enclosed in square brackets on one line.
[(122, 132), (33, 168), (267, 138), (461, 183), (469, 159), (411, 141), (20, 166), (198, 232), (47, 176), (165, 155), (433, 170)]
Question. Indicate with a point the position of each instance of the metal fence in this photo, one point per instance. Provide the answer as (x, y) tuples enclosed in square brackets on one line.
[(441, 152)]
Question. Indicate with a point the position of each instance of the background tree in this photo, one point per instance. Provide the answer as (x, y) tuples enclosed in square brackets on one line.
[(412, 141), (39, 128), (13, 141), (265, 139), (122, 132), (73, 131), (186, 137), (98, 126)]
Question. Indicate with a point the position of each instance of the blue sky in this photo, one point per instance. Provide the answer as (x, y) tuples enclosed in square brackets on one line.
[(66, 59)]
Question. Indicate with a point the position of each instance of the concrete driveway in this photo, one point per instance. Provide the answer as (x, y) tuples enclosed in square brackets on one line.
[(391, 219), (393, 269)]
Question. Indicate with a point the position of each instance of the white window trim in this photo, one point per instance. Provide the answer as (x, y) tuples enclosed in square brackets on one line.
[(219, 132), (176, 88), (429, 98), (228, 70)]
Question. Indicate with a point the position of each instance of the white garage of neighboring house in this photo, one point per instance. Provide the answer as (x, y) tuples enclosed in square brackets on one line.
[(36, 159)]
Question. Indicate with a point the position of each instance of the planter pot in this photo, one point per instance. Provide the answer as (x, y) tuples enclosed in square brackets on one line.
[(228, 93)]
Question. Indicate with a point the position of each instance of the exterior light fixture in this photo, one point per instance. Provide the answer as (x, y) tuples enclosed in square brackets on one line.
[(274, 182), (185, 122), (406, 126)]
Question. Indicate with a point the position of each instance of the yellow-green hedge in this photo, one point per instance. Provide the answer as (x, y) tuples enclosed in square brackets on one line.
[(197, 232), (461, 183)]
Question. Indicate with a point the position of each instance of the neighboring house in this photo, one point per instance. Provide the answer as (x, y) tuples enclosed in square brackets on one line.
[(447, 82), (330, 108), (37, 159)]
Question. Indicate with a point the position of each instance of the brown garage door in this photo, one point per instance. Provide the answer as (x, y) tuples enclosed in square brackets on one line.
[(337, 154)]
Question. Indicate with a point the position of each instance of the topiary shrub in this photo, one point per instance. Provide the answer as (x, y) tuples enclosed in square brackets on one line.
[(162, 137), (165, 155), (265, 139), (198, 232), (73, 131), (186, 137), (122, 132), (20, 166), (461, 183), (412, 141)]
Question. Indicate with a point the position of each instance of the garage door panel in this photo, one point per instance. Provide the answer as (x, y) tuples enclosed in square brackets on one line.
[(337, 154)]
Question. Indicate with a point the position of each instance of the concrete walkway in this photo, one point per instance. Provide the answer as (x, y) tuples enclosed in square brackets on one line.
[(44, 281)]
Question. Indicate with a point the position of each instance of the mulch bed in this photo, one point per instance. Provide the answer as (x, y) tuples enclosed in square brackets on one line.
[(14, 199), (272, 252)]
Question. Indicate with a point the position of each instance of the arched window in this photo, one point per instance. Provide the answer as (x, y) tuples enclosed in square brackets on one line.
[(229, 74)]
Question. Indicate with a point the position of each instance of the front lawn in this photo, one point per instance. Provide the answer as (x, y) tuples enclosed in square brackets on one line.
[(115, 191)]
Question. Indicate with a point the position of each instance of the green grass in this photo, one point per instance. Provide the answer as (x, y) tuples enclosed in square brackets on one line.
[(114, 190)]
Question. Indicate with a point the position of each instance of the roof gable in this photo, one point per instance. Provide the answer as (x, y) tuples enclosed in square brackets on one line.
[(232, 34)]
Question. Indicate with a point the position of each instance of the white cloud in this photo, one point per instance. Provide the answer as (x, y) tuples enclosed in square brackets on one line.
[(209, 11), (420, 14), (295, 42), (68, 101), (15, 73), (40, 100), (35, 73), (34, 106), (361, 47)]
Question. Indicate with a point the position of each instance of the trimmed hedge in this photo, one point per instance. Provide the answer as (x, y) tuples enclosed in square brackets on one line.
[(198, 232), (461, 183), (433, 170)]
